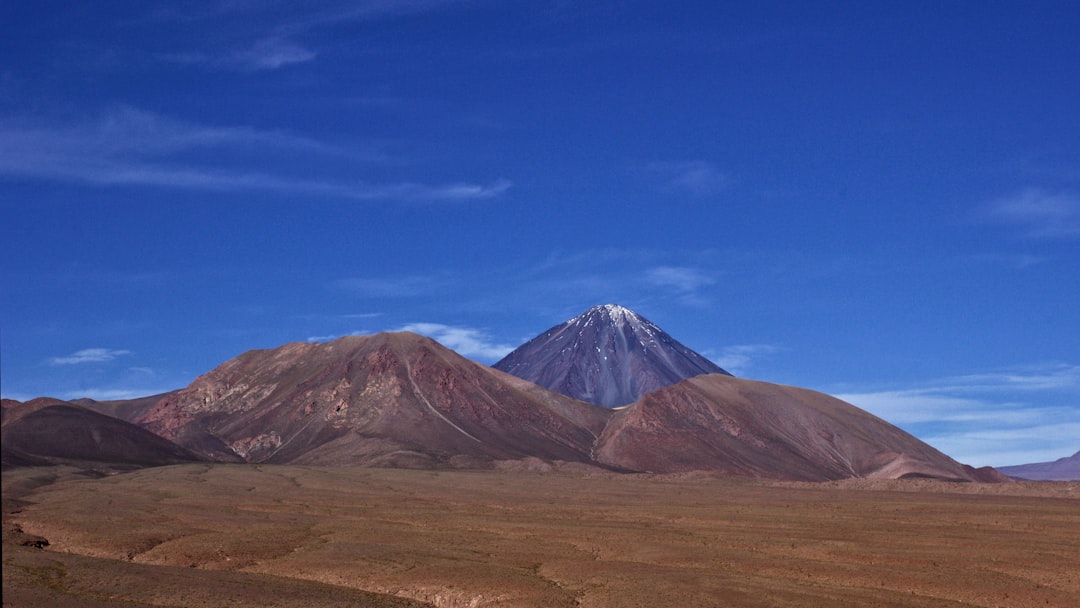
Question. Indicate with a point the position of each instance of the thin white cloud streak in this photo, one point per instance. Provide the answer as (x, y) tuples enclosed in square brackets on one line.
[(131, 147), (1038, 443), (278, 46), (332, 337), (686, 282), (273, 53), (989, 419), (466, 341), (680, 277), (739, 358), (267, 54), (364, 11), (1046, 377), (696, 177), (1038, 214), (127, 130), (89, 355)]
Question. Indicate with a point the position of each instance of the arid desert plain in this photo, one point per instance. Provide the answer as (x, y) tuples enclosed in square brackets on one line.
[(528, 535)]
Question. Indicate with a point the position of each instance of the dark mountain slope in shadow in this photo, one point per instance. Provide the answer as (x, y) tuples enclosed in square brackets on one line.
[(48, 431)]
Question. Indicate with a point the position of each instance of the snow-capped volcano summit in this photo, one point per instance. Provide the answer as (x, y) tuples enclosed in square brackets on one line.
[(608, 355)]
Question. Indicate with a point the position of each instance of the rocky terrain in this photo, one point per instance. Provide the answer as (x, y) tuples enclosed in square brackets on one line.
[(394, 399), (607, 355)]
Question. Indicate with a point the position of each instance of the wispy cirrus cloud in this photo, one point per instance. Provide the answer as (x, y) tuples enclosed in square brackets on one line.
[(127, 131), (1029, 378), (332, 337), (265, 54), (682, 278), (1028, 414), (89, 355), (1038, 214), (739, 358), (466, 341), (686, 282), (1016, 261), (695, 177), (132, 147), (277, 34)]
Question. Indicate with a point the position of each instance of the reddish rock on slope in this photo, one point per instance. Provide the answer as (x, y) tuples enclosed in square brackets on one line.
[(758, 429), (389, 399)]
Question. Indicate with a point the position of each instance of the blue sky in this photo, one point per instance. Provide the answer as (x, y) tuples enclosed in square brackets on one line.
[(879, 200)]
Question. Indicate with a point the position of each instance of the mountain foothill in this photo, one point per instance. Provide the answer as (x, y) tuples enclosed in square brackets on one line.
[(606, 389)]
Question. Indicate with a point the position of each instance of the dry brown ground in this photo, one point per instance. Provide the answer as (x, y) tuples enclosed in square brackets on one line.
[(246, 535)]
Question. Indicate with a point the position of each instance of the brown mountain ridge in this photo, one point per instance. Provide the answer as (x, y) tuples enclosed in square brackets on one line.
[(399, 399), (403, 400), (759, 429), (396, 399), (50, 431)]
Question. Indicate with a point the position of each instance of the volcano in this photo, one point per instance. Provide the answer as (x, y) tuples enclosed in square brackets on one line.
[(749, 428), (391, 399), (608, 355), (403, 400)]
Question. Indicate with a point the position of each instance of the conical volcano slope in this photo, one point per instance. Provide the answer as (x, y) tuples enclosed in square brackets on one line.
[(608, 355), (758, 429), (395, 399)]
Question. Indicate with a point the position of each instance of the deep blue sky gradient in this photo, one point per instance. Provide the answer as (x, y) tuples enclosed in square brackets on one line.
[(879, 200)]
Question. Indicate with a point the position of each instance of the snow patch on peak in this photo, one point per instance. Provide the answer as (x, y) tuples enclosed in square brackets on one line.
[(613, 314), (620, 313), (611, 357)]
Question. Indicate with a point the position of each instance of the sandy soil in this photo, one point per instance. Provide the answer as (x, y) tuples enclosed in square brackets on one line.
[(250, 535)]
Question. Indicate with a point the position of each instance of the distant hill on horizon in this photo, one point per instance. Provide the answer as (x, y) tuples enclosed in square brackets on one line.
[(50, 431), (1062, 469)]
